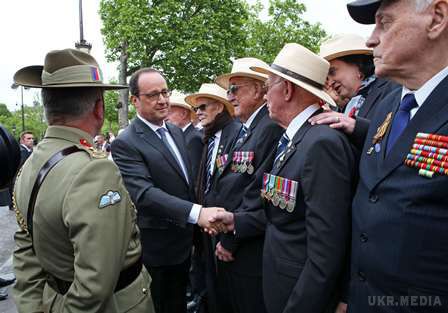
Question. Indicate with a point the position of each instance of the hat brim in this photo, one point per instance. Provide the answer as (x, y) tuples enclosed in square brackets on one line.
[(363, 11), (224, 80), (315, 91), (341, 54), (181, 105), (192, 100), (31, 76)]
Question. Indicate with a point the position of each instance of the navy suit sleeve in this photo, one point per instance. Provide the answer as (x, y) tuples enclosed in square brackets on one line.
[(142, 188), (327, 182)]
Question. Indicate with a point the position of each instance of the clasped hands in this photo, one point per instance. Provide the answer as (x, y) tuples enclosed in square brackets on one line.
[(214, 220)]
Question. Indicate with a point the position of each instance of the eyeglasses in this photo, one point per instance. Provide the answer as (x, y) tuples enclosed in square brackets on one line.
[(201, 107), (267, 86), (155, 95), (233, 89)]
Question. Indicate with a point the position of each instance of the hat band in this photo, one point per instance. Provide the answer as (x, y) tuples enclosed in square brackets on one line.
[(297, 76), (73, 75)]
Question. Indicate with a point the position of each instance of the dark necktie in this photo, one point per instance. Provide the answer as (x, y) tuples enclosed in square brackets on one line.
[(281, 147), (162, 132), (210, 146), (401, 119), (241, 135)]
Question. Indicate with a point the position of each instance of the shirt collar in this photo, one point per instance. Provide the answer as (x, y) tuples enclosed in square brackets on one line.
[(185, 127), (27, 149), (154, 127), (424, 91), (300, 119), (252, 117)]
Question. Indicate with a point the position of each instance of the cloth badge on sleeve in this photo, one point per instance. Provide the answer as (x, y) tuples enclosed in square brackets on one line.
[(110, 198), (429, 154)]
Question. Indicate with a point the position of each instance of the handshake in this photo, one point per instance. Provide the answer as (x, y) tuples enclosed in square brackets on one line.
[(214, 220)]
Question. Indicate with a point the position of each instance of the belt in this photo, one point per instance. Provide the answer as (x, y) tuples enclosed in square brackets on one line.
[(127, 276)]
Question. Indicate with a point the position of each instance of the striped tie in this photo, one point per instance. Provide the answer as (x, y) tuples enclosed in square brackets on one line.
[(281, 148), (210, 146)]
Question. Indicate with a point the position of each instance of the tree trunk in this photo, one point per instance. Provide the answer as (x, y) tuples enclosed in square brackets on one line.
[(124, 93)]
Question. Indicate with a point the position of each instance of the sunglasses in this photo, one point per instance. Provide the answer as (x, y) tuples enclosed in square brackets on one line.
[(201, 107), (233, 89)]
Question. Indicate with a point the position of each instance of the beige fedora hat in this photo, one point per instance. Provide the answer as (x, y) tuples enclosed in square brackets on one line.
[(178, 99), (211, 91), (301, 67), (66, 68), (343, 45), (242, 68)]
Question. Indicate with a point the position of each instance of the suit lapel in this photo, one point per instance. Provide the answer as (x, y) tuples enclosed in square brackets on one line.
[(149, 136), (292, 147), (180, 143), (431, 116), (371, 97)]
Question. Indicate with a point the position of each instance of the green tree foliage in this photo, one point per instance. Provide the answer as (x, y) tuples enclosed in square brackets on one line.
[(34, 120), (4, 110), (285, 24), (190, 41)]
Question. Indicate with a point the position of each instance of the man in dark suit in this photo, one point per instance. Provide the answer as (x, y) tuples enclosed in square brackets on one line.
[(215, 114), (400, 221), (241, 261), (153, 160), (307, 193), (26, 145)]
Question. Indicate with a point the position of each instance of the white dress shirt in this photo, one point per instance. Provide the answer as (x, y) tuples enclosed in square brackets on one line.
[(252, 117), (424, 91), (196, 209), (299, 120), (215, 150)]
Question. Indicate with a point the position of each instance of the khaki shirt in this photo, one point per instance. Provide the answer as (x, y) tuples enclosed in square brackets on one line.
[(80, 234)]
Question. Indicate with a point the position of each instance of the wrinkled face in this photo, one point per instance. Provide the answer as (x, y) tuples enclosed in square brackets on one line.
[(178, 116), (207, 109), (398, 39), (344, 78), (27, 140), (242, 93), (153, 102), (275, 86)]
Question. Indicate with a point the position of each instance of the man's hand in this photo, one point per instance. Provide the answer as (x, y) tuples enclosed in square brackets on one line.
[(206, 221), (226, 219), (342, 308), (335, 120), (223, 254)]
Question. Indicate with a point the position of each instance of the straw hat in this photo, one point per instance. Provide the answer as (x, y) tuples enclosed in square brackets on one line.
[(211, 91), (64, 69), (241, 68), (178, 99), (301, 67), (343, 45)]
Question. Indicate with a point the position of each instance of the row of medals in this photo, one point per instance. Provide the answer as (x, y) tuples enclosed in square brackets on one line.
[(279, 200), (243, 167)]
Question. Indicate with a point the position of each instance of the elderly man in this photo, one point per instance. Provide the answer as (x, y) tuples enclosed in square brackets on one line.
[(400, 221), (78, 249), (307, 193), (153, 160), (241, 261)]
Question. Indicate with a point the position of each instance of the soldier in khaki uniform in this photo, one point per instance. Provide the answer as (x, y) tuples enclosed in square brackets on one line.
[(78, 246)]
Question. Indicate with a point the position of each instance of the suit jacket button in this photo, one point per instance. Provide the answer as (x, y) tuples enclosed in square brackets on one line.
[(364, 237), (373, 198), (361, 276)]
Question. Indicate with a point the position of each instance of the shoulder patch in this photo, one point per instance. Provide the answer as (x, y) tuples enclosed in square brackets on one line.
[(110, 198)]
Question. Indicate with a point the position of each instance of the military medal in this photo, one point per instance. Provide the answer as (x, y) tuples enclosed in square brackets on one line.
[(292, 196), (380, 133), (429, 154)]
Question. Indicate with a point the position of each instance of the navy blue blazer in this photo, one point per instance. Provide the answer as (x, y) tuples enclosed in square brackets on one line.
[(400, 219)]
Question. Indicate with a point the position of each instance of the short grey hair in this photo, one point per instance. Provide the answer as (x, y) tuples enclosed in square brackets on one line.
[(421, 5), (63, 105)]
